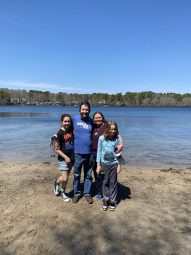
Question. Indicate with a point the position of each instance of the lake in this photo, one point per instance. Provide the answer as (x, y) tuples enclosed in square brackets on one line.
[(152, 136)]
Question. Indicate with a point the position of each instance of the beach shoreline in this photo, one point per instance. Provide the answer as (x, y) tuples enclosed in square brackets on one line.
[(152, 217)]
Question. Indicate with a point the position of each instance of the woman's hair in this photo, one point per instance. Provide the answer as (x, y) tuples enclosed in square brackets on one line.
[(100, 113), (107, 129), (67, 115)]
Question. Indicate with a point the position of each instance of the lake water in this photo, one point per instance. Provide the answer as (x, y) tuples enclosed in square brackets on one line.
[(153, 137)]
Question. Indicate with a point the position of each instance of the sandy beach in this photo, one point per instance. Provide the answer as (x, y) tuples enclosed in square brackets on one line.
[(153, 215)]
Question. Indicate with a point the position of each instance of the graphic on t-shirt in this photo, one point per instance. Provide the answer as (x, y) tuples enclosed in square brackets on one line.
[(84, 125), (67, 137), (68, 140)]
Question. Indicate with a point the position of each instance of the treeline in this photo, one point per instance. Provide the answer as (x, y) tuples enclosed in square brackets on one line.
[(148, 98)]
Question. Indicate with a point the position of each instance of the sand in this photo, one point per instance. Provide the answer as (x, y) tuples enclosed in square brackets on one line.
[(153, 215)]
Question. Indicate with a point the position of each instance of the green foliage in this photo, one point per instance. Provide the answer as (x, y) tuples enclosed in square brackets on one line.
[(144, 98), (4, 97)]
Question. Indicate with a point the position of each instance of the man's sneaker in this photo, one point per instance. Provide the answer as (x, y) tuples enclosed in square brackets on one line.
[(56, 188), (105, 205), (99, 197), (64, 197), (112, 207), (75, 199), (89, 199)]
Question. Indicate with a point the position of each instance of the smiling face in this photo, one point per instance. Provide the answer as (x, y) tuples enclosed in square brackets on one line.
[(98, 120), (66, 122), (84, 111), (112, 131)]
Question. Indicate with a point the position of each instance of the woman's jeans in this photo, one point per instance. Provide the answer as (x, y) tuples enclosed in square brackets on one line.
[(98, 180), (98, 177)]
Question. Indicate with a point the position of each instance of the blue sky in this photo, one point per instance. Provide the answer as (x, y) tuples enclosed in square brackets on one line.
[(88, 46)]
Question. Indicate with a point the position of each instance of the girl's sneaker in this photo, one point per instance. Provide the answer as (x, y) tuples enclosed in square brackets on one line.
[(56, 188), (64, 197), (112, 207), (104, 206)]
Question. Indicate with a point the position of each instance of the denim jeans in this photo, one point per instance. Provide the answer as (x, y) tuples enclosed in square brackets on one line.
[(85, 160)]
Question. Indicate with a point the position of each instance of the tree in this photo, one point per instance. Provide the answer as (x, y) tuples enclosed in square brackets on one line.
[(4, 97)]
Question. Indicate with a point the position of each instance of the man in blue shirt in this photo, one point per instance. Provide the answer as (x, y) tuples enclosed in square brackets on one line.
[(83, 128)]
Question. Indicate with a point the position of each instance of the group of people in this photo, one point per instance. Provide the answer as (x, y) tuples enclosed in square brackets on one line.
[(95, 145)]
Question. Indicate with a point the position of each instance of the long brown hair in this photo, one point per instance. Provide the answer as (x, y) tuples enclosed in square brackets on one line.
[(71, 128), (108, 127)]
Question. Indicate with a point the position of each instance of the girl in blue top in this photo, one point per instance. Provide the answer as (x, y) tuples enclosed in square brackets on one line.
[(107, 161)]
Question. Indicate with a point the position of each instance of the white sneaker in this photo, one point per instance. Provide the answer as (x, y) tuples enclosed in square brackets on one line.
[(64, 197), (56, 188)]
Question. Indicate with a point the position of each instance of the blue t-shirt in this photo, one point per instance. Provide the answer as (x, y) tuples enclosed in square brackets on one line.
[(83, 129)]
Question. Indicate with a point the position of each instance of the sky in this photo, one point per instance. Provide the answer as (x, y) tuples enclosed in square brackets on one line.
[(96, 46)]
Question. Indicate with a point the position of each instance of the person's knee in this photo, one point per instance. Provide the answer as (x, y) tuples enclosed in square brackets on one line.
[(64, 178), (88, 176), (77, 169)]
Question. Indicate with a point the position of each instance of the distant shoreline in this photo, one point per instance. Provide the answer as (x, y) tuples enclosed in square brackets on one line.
[(144, 98), (128, 106)]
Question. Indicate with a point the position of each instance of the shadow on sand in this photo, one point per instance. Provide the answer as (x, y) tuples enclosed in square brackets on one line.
[(123, 192)]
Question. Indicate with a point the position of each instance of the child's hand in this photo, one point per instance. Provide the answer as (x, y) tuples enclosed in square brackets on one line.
[(67, 159), (98, 169), (118, 169)]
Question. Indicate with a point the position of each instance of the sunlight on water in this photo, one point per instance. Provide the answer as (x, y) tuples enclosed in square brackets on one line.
[(156, 137)]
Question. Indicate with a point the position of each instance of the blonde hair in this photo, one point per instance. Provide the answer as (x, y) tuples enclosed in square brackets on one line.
[(108, 127)]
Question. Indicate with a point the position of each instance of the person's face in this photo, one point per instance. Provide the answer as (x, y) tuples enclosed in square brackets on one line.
[(98, 120), (112, 130), (84, 111), (66, 123)]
